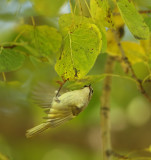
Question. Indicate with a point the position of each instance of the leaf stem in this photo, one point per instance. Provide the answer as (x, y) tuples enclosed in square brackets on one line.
[(33, 21), (105, 111), (4, 77), (127, 62), (71, 7)]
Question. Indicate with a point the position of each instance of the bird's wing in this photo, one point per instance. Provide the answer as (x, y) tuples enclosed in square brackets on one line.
[(43, 94), (56, 117)]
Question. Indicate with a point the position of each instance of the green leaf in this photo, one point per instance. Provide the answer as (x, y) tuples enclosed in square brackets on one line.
[(104, 39), (82, 45), (38, 62), (48, 7), (143, 4), (10, 60), (133, 19), (148, 22), (87, 80), (42, 40)]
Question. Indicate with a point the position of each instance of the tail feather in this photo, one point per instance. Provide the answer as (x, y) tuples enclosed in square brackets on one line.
[(37, 129)]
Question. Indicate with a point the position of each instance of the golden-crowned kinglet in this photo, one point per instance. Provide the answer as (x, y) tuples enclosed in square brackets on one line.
[(63, 108)]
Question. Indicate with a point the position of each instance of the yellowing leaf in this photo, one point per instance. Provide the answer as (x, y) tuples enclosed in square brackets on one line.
[(133, 19), (82, 45), (3, 157), (149, 148), (146, 45), (118, 20), (10, 60), (67, 21), (133, 51), (101, 12)]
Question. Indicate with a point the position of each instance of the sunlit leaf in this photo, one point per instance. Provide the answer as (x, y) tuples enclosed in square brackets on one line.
[(66, 20), (82, 45), (133, 19), (101, 12), (10, 60), (146, 45), (134, 51), (118, 20), (3, 157)]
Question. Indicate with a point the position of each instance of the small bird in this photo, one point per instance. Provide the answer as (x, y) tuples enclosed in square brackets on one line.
[(62, 108)]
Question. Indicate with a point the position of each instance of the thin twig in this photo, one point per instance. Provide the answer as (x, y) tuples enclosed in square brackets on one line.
[(33, 21), (127, 62), (148, 81), (105, 111), (61, 85)]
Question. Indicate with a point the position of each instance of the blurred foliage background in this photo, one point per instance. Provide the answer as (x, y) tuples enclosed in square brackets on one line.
[(79, 138)]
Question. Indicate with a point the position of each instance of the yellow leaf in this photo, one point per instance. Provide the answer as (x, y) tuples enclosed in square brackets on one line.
[(3, 157), (117, 19), (134, 51), (146, 45)]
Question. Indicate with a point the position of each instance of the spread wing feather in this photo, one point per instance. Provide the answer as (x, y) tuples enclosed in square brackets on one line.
[(57, 117), (60, 120), (43, 94)]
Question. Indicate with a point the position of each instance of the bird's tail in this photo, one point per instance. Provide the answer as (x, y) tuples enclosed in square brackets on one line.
[(37, 129)]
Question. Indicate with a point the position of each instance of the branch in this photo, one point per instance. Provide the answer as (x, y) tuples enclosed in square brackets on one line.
[(141, 12), (10, 47), (119, 156), (144, 12), (105, 111), (127, 62)]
